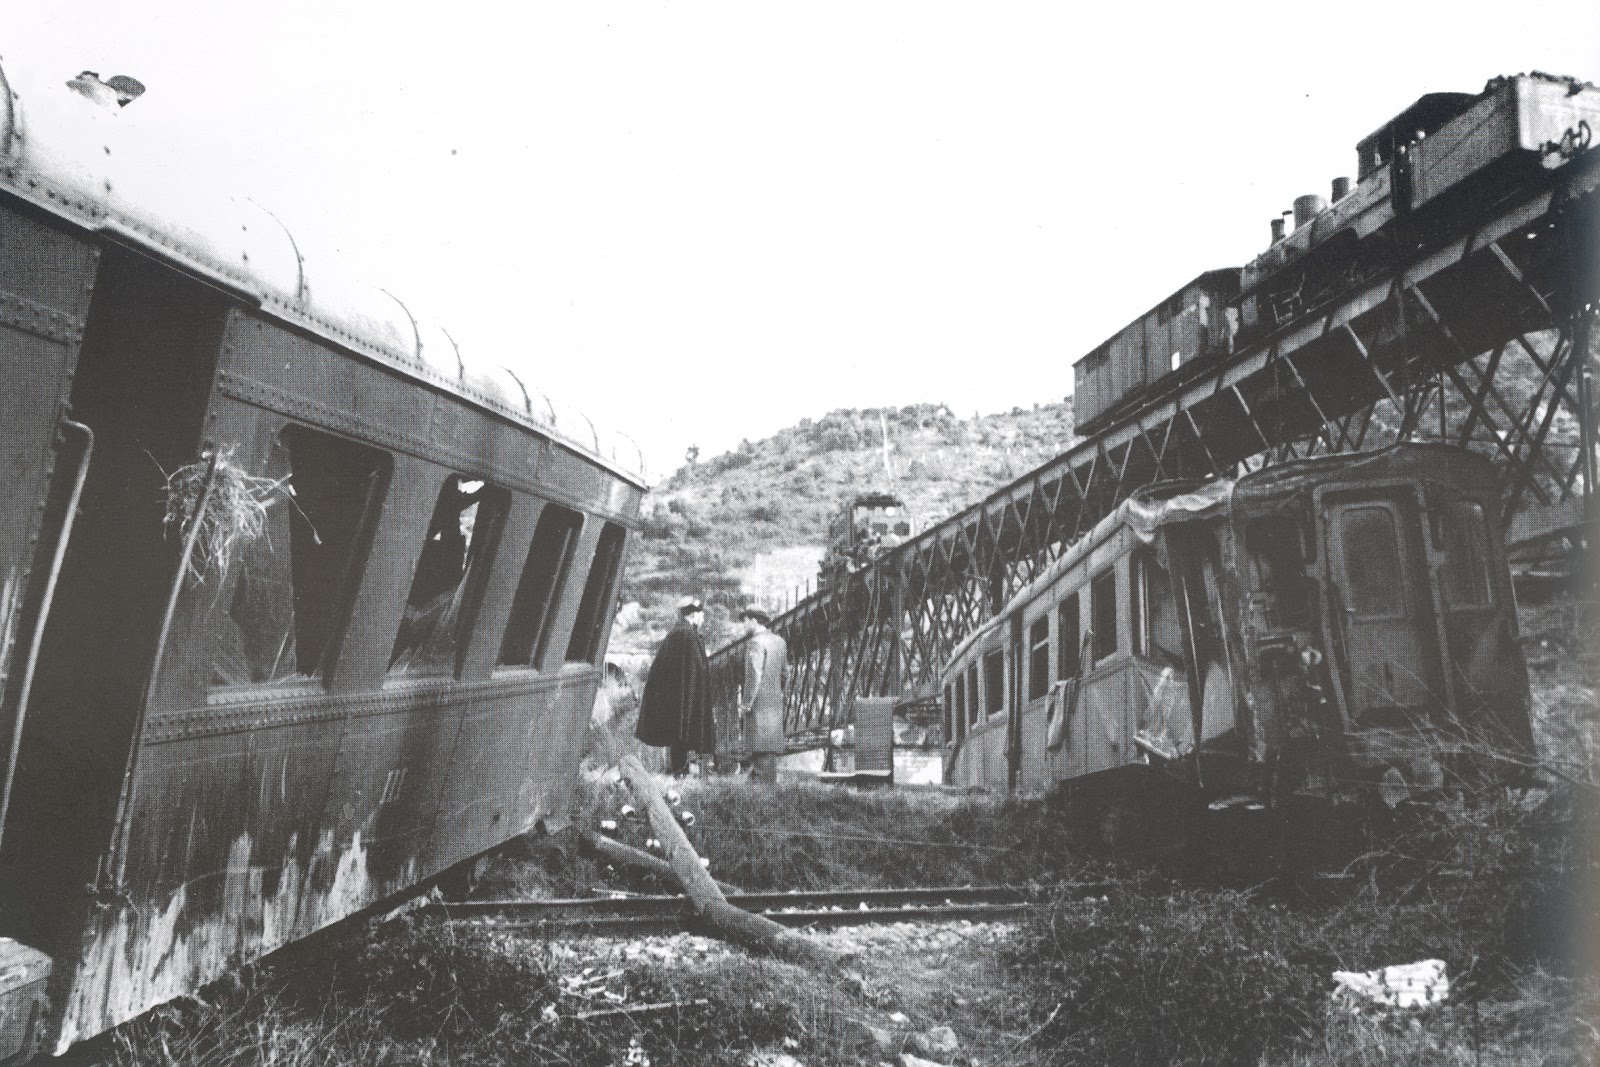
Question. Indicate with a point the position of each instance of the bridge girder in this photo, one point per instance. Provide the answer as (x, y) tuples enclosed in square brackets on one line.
[(1483, 339)]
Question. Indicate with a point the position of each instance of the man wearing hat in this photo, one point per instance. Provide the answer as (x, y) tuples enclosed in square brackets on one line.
[(766, 668), (675, 711)]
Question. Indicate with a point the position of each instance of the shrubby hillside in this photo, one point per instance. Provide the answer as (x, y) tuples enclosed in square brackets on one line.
[(752, 522)]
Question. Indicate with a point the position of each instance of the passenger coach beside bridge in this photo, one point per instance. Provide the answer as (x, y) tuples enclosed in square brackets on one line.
[(392, 673), (1326, 626)]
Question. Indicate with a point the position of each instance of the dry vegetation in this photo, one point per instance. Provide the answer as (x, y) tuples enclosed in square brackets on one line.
[(1184, 963)]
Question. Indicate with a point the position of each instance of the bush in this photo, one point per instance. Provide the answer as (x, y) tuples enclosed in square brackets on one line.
[(1184, 979)]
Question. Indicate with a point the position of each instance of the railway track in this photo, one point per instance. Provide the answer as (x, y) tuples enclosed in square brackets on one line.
[(818, 910)]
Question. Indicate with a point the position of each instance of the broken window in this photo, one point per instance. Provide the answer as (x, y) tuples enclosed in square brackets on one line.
[(598, 593), (296, 582), (538, 596), (1275, 550), (1103, 613), (448, 583), (994, 682), (1463, 537), (1039, 658), (1156, 634), (1068, 639)]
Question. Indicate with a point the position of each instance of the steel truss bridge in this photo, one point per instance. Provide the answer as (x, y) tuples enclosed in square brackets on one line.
[(1482, 338)]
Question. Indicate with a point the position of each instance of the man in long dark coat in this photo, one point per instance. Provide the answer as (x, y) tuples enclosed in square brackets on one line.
[(675, 712)]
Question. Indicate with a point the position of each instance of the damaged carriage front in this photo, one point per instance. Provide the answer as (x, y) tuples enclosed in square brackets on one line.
[(1342, 626)]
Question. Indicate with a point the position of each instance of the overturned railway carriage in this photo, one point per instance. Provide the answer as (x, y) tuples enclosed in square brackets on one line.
[(1327, 626), (208, 758)]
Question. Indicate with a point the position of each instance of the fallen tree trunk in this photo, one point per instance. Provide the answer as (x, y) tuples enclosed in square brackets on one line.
[(617, 852), (710, 907)]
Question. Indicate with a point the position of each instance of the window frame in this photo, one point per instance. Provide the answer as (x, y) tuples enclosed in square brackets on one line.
[(1353, 549), (1106, 641), (1039, 658), (567, 524), (592, 623), (960, 683), (493, 510), (1069, 654), (1448, 524), (351, 569), (994, 683), (973, 703)]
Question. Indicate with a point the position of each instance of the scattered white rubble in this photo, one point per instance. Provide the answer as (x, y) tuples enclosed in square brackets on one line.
[(1406, 985), (938, 1041), (773, 1059)]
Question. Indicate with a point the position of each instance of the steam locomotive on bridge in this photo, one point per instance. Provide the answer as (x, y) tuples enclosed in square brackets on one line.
[(1331, 626), (1427, 167), (301, 604)]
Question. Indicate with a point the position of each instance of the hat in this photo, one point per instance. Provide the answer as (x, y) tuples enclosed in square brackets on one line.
[(689, 605), (760, 614)]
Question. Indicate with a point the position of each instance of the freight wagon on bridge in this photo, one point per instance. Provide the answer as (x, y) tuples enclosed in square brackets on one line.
[(355, 639)]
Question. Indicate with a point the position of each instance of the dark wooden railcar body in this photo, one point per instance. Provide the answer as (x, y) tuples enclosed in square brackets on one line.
[(1330, 627), (384, 682), (1195, 325)]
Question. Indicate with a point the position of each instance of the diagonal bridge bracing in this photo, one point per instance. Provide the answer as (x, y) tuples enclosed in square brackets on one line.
[(1481, 338)]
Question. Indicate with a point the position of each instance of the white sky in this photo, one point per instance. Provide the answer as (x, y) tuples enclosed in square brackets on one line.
[(701, 222)]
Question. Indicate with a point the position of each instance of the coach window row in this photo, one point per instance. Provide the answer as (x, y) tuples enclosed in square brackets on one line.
[(295, 584)]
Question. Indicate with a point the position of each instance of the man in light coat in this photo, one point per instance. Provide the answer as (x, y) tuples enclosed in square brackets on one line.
[(766, 673)]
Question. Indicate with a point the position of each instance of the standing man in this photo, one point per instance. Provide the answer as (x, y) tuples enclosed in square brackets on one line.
[(766, 669), (675, 711)]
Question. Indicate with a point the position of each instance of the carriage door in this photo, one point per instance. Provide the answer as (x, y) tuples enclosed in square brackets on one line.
[(1379, 610)]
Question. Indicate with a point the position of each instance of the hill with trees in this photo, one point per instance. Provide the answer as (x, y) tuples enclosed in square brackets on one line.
[(751, 524)]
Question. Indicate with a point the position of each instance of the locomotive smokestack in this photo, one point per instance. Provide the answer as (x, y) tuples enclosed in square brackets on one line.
[(1277, 229), (1341, 188), (1307, 208)]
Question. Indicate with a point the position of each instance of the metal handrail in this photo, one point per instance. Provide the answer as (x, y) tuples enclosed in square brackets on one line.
[(25, 690), (117, 867)]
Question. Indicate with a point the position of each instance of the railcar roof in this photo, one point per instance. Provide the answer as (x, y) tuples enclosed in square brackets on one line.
[(75, 159), (1168, 502), (1146, 511), (1422, 461)]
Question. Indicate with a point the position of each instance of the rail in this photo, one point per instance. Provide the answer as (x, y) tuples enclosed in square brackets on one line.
[(818, 909)]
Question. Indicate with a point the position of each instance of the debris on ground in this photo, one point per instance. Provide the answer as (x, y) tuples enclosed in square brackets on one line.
[(1406, 985), (938, 1041), (908, 1060)]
